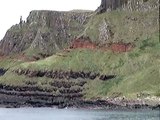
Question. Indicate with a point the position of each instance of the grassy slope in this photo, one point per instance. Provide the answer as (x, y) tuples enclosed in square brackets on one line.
[(126, 26), (137, 71), (7, 63)]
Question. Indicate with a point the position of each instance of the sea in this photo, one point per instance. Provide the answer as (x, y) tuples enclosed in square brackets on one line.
[(76, 114)]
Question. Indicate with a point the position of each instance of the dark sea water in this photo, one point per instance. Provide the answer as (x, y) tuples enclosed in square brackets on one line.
[(75, 114)]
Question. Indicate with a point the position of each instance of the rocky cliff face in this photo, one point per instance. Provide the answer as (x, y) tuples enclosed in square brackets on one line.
[(108, 5), (44, 31), (48, 31)]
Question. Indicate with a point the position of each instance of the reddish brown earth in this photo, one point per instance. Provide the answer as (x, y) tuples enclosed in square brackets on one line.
[(80, 43), (118, 47), (83, 43), (121, 47)]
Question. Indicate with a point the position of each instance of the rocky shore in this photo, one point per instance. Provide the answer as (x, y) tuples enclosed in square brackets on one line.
[(29, 96), (66, 89)]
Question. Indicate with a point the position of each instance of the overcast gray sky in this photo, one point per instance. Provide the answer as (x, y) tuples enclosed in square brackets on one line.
[(11, 10)]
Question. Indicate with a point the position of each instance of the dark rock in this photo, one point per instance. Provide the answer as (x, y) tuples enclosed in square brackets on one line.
[(64, 74), (107, 77), (41, 73), (93, 76), (132, 5), (2, 71), (111, 4), (157, 107), (15, 97)]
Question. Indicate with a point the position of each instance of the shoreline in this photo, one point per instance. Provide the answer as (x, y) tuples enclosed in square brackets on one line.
[(90, 105), (29, 96)]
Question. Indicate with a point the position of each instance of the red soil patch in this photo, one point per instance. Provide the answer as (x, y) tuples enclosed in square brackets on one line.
[(86, 43), (121, 47), (83, 43)]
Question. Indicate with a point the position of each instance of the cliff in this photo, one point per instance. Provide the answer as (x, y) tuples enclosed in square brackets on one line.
[(44, 31), (138, 5)]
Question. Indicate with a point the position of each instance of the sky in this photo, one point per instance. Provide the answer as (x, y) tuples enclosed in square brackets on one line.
[(11, 10)]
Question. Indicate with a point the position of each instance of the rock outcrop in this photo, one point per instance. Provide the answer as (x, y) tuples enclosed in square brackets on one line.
[(2, 71), (105, 32), (83, 42), (44, 32), (108, 5), (59, 74)]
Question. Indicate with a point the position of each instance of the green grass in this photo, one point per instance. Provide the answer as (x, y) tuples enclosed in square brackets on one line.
[(7, 63), (100, 89), (79, 60), (142, 81), (123, 25), (13, 79), (145, 81)]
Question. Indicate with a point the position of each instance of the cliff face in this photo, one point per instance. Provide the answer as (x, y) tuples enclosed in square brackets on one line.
[(107, 5), (48, 31), (44, 31)]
